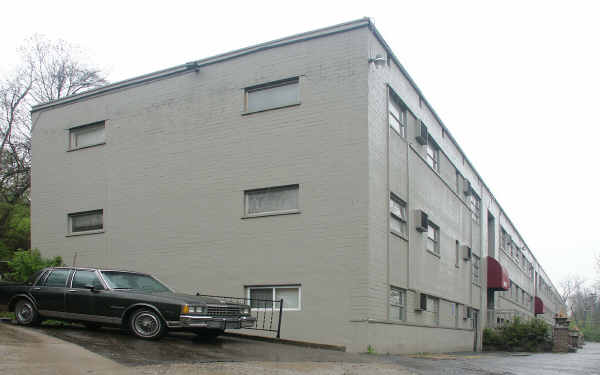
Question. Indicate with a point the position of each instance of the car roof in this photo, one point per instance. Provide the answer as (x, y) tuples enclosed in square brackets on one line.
[(94, 269)]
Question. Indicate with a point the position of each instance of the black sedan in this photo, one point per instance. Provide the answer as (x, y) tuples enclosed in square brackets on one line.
[(132, 300)]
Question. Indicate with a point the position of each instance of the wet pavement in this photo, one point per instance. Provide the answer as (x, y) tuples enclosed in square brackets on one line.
[(176, 347), (584, 361), (238, 355)]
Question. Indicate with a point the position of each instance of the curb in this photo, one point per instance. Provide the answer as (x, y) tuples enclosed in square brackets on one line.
[(304, 344)]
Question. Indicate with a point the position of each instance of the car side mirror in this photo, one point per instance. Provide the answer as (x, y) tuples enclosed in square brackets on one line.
[(90, 287)]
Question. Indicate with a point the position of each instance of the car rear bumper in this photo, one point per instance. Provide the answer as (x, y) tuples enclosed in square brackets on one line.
[(191, 321)]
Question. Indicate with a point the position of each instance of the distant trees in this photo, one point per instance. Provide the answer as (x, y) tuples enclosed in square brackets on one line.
[(48, 70), (584, 305)]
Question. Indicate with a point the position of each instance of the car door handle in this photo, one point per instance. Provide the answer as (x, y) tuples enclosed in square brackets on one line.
[(71, 290), (36, 288)]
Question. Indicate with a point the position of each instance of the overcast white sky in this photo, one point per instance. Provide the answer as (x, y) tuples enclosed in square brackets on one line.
[(516, 82)]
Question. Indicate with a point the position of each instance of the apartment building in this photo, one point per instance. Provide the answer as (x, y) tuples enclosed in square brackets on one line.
[(309, 168)]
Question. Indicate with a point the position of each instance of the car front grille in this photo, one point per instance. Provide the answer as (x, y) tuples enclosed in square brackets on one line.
[(223, 311)]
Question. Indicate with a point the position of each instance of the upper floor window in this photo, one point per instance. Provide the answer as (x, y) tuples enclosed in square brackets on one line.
[(82, 222), (433, 238), (433, 154), (476, 269), (273, 95), (86, 135), (398, 215), (397, 115), (273, 200), (475, 204)]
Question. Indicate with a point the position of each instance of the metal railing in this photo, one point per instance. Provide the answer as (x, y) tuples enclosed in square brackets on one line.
[(268, 313)]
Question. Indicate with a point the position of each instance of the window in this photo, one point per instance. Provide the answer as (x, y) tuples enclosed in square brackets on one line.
[(433, 238), (84, 278), (398, 215), (475, 204), (273, 95), (274, 200), (397, 115), (82, 222), (454, 307), (433, 306), (397, 304), (262, 296), (86, 135), (433, 154), (57, 278), (457, 262), (476, 269)]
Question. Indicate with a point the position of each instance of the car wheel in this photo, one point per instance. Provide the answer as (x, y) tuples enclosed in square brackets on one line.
[(26, 313), (209, 334), (147, 325)]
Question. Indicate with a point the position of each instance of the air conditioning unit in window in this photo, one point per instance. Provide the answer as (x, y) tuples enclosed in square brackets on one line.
[(468, 313), (466, 252), (421, 133), (421, 302), (467, 187), (422, 221)]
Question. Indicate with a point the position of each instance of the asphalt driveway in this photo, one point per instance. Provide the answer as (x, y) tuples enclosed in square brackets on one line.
[(183, 353)]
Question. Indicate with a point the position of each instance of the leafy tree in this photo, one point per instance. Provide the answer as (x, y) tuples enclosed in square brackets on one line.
[(49, 70), (25, 263)]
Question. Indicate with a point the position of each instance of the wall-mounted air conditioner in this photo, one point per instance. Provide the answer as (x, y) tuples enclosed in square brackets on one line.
[(422, 221), (466, 252), (421, 302), (421, 133), (468, 313), (467, 187)]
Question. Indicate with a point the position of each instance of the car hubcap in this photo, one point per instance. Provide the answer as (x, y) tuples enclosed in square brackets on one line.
[(146, 325), (25, 313)]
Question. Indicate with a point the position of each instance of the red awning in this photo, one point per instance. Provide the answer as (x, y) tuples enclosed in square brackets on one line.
[(539, 305), (497, 275)]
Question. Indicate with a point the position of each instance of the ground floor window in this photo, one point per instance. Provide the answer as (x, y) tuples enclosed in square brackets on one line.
[(263, 296), (397, 304)]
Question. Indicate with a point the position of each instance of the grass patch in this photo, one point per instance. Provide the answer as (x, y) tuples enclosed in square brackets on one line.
[(6, 314)]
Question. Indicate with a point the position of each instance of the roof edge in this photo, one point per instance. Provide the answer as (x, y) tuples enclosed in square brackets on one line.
[(196, 64)]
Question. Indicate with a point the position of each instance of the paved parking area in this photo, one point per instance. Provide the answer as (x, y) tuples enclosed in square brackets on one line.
[(183, 353)]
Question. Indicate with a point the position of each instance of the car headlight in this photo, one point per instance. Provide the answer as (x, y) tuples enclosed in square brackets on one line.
[(198, 309)]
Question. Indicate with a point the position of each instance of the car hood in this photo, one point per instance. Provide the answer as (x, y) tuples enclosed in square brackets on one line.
[(182, 298)]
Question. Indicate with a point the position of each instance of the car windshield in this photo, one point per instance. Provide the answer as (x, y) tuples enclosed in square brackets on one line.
[(133, 281)]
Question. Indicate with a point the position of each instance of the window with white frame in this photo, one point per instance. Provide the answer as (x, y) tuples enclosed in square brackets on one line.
[(454, 313), (457, 260), (475, 204), (476, 269), (397, 304), (397, 114), (273, 200), (86, 135), (88, 221), (433, 238), (273, 95), (262, 297), (433, 154), (398, 222), (433, 306)]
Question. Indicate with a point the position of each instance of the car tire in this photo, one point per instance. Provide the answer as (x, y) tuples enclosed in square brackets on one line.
[(147, 325), (209, 333), (26, 313)]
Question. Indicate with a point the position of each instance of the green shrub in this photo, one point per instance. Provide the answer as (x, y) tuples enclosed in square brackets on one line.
[(25, 263), (518, 335)]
